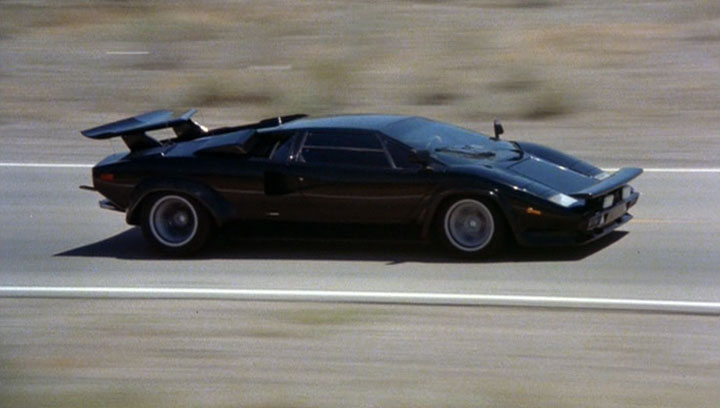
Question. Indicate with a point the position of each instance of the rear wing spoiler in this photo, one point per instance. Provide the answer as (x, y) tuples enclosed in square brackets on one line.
[(133, 129), (615, 180)]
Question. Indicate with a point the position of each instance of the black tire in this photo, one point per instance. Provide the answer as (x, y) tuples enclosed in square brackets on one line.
[(470, 227), (175, 224)]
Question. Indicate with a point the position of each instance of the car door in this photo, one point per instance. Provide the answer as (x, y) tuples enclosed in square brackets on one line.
[(349, 176), (248, 180)]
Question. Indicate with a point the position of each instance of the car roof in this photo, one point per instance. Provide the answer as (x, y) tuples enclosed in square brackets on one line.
[(364, 122)]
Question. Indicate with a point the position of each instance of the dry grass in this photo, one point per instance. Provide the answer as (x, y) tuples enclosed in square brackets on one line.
[(112, 353), (342, 55), (565, 64)]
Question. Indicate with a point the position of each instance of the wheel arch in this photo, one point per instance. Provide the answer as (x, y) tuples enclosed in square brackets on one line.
[(491, 196), (219, 208)]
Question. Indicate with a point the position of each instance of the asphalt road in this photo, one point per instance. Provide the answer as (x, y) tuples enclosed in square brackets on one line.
[(614, 82), (53, 234), (212, 353)]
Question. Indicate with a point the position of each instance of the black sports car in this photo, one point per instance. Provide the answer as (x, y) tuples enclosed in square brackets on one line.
[(468, 190)]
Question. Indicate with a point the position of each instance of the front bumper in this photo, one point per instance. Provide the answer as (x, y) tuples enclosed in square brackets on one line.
[(581, 229)]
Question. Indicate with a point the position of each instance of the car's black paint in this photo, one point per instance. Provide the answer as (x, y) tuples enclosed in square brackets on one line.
[(357, 169)]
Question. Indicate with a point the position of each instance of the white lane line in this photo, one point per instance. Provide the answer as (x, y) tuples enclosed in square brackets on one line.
[(682, 170), (673, 170), (48, 165), (270, 67), (454, 299), (127, 52), (83, 165)]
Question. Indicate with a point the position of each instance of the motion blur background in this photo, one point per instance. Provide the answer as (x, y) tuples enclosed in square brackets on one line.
[(643, 74), (614, 82)]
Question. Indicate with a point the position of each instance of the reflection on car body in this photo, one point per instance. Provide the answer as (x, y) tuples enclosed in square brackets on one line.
[(468, 190)]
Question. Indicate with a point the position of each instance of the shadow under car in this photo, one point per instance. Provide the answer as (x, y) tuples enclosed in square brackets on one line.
[(322, 242)]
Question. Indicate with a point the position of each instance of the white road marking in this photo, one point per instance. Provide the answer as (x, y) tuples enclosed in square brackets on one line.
[(270, 67), (674, 170), (410, 298), (127, 52), (47, 165), (83, 165)]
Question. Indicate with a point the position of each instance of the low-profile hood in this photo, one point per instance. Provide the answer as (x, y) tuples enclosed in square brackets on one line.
[(557, 177)]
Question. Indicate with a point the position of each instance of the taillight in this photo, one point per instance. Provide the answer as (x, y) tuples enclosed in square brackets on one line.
[(107, 176)]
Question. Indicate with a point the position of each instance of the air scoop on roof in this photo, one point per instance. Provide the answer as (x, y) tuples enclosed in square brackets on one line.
[(239, 142)]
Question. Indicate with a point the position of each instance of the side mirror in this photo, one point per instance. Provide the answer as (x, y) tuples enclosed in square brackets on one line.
[(421, 157), (498, 128)]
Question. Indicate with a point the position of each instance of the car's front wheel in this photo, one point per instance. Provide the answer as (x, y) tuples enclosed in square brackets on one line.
[(175, 224), (471, 227)]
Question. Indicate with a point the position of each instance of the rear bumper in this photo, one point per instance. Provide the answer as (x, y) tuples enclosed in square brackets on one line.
[(607, 221), (109, 205)]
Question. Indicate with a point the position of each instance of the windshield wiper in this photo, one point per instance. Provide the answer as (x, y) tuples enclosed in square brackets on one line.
[(464, 152)]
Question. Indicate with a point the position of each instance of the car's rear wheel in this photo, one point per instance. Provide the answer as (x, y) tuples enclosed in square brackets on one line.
[(471, 227), (176, 224)]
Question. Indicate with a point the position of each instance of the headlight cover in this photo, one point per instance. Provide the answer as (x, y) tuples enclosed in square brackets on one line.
[(566, 201), (608, 201), (626, 191)]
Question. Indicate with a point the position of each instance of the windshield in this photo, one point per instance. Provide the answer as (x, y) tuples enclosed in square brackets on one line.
[(445, 140)]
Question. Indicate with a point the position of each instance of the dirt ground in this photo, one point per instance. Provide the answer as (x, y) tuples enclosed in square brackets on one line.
[(640, 77), (615, 82), (116, 353)]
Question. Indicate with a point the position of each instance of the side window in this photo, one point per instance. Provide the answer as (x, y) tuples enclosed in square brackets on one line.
[(281, 151), (400, 154), (343, 139), (346, 148), (273, 146), (345, 157)]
